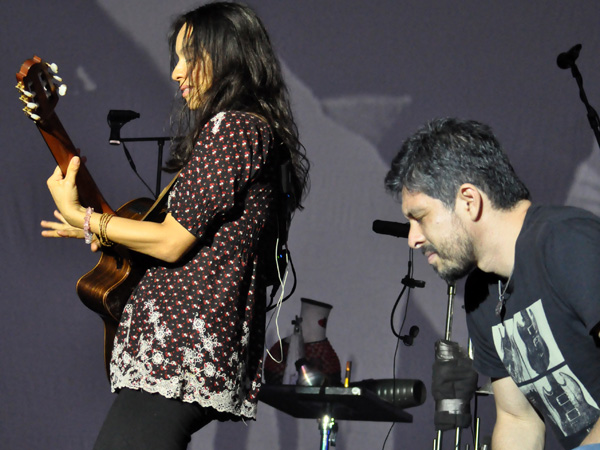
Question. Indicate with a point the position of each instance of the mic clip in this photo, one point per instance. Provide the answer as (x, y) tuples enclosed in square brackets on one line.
[(409, 339), (411, 283), (116, 119)]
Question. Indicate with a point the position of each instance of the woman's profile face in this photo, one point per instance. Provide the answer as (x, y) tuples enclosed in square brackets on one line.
[(193, 80)]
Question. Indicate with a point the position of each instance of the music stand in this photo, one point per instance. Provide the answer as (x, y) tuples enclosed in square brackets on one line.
[(329, 404)]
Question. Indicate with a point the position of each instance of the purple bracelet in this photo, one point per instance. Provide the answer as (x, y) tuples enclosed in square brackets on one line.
[(86, 226)]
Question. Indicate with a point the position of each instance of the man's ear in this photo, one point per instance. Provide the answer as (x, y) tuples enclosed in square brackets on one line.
[(470, 201)]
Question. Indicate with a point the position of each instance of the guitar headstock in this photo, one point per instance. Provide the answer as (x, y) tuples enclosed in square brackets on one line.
[(40, 88)]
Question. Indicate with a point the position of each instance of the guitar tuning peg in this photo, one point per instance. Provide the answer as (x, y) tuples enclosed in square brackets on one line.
[(21, 88), (57, 78), (31, 115), (53, 67), (62, 90), (25, 93), (31, 106)]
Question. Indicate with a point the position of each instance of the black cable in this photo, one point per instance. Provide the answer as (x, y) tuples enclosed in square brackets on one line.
[(408, 283), (388, 435), (271, 306), (394, 388), (397, 333), (132, 164)]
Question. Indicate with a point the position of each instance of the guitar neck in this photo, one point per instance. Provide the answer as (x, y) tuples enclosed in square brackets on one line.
[(63, 150)]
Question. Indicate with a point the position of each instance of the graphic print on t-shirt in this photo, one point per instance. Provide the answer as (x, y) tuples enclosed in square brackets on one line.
[(532, 357)]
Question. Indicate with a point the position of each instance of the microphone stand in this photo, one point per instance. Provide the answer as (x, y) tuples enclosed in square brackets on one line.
[(437, 442), (161, 144)]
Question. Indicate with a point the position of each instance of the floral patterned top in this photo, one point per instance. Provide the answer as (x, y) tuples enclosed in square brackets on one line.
[(194, 330)]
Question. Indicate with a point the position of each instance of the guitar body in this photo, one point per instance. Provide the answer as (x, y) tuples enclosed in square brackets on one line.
[(106, 288)]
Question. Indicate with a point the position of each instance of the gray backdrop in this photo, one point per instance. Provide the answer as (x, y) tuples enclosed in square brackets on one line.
[(363, 75)]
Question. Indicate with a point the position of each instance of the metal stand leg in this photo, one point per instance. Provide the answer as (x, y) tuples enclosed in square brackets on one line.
[(457, 438), (437, 442), (328, 428)]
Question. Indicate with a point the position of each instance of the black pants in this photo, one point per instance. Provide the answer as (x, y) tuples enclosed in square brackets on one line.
[(138, 420)]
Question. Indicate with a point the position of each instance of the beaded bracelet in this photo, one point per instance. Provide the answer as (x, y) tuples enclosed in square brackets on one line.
[(104, 219), (87, 233)]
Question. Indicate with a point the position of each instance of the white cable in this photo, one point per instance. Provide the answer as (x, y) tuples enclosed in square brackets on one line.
[(279, 302)]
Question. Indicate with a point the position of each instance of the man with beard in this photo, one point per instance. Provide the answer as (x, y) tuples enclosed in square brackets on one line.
[(533, 279)]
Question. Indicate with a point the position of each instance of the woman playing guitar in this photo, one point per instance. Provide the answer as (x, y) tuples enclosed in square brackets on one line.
[(190, 341)]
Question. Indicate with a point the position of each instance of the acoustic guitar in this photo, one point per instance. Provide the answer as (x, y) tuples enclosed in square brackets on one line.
[(106, 288)]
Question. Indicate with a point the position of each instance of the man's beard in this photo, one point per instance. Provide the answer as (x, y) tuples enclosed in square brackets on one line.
[(456, 258)]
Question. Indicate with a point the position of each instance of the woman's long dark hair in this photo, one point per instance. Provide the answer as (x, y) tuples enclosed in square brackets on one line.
[(246, 76)]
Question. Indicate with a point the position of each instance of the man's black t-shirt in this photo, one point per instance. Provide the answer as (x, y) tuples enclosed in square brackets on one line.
[(545, 337)]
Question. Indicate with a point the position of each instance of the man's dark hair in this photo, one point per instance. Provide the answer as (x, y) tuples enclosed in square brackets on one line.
[(447, 153)]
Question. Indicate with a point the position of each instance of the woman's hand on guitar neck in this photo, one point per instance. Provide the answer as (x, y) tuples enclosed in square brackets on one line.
[(65, 195), (70, 213), (62, 229), (167, 241)]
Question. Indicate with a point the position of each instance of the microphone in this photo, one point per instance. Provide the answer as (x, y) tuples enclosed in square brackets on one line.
[(116, 119), (391, 228), (566, 60)]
